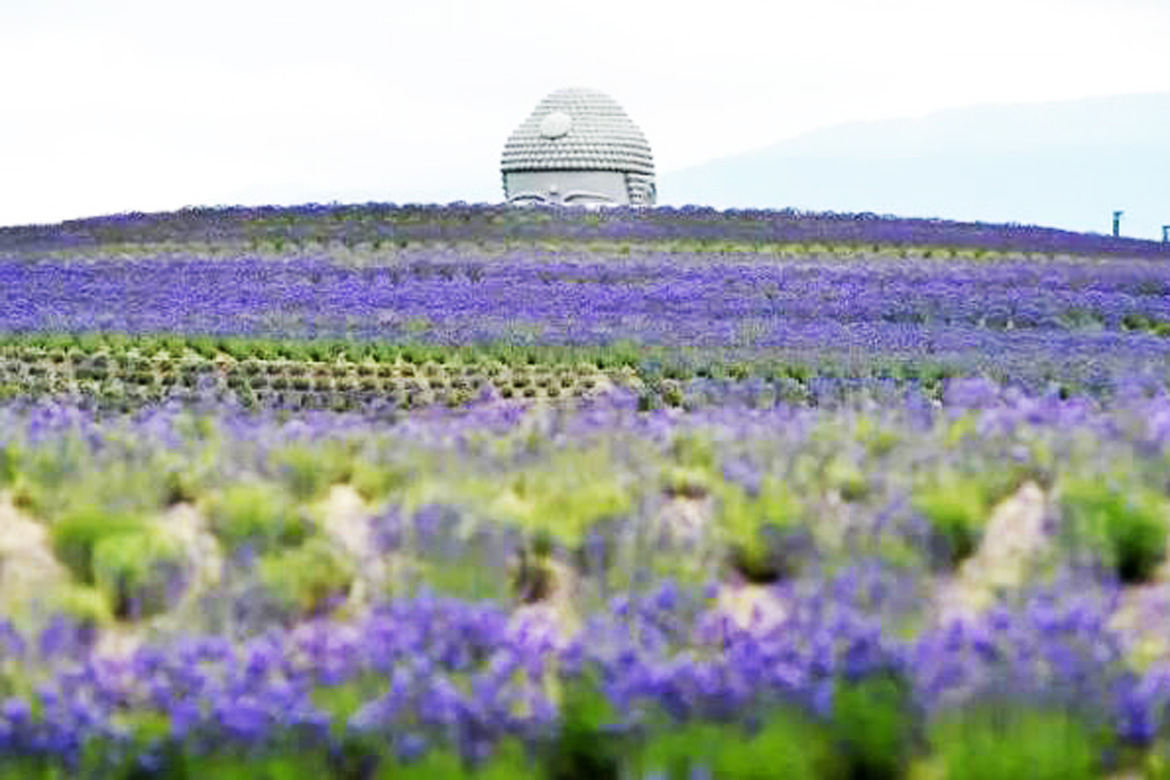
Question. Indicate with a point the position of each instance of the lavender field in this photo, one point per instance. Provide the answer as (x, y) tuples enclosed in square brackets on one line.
[(471, 491)]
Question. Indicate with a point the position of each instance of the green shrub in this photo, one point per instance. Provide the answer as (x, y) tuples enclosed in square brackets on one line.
[(873, 726), (374, 481), (899, 552), (83, 603), (136, 572), (848, 479), (466, 578), (309, 470), (957, 508), (564, 496), (9, 460), (304, 579), (676, 752), (341, 700), (272, 764), (179, 485), (687, 481), (1128, 521), (787, 746), (761, 529), (125, 486), (1157, 762), (42, 475), (584, 748), (258, 514), (76, 534), (1008, 743), (116, 759), (507, 761)]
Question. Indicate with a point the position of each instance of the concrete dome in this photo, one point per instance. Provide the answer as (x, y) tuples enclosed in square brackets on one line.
[(578, 129)]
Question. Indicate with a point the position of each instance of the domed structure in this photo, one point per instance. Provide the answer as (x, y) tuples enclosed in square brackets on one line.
[(578, 147)]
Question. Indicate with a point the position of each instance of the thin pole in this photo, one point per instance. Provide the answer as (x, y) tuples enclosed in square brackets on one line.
[(1166, 234), (1117, 223)]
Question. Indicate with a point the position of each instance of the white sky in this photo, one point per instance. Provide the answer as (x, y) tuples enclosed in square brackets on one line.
[(145, 105)]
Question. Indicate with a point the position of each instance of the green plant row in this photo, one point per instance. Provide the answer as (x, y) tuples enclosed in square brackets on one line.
[(406, 244), (35, 364), (57, 346), (648, 359), (116, 372)]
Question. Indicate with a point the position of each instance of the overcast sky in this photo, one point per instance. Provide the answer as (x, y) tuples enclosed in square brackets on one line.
[(109, 106)]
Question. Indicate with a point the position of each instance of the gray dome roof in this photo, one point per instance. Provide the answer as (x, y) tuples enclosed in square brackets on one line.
[(578, 129)]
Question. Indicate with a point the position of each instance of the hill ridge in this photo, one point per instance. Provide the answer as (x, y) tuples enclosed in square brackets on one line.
[(1065, 164)]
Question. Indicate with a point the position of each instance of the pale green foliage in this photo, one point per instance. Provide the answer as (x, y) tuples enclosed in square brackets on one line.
[(466, 579), (52, 481), (785, 746), (1014, 742), (341, 700), (308, 470), (687, 481), (375, 481), (9, 464), (563, 497), (872, 726), (258, 514), (755, 526), (304, 578), (691, 469), (693, 450), (83, 603), (958, 429), (877, 438), (131, 487), (133, 570), (847, 478), (1128, 521), (1157, 763), (292, 765), (742, 515), (40, 476), (77, 534), (957, 507), (897, 551)]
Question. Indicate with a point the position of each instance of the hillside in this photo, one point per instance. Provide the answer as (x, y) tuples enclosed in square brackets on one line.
[(1066, 165), (285, 487)]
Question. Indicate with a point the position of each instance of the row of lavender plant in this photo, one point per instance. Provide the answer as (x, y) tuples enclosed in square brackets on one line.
[(388, 223), (449, 675), (1087, 324), (560, 286), (433, 687)]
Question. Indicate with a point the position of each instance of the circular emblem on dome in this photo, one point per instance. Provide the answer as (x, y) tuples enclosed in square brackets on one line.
[(556, 124)]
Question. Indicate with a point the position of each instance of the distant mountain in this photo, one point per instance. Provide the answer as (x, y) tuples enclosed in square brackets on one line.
[(1067, 165)]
